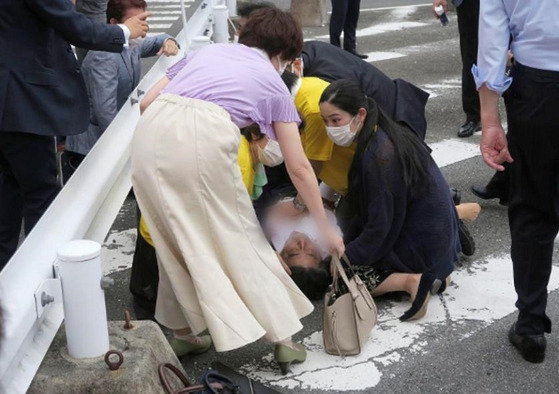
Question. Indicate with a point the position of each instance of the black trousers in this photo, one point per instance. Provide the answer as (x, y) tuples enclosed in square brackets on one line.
[(468, 15), (499, 184), (344, 17), (532, 104), (27, 185)]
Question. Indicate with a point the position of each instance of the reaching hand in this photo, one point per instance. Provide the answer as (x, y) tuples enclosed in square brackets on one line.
[(137, 25), (333, 241), (437, 3), (494, 147), (169, 48)]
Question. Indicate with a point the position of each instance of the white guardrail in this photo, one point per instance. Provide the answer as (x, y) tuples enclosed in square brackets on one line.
[(84, 209)]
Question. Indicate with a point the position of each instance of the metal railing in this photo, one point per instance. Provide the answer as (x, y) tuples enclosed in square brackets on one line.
[(30, 291)]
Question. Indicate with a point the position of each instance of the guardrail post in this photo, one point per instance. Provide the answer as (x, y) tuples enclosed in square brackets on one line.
[(199, 42), (85, 313), (232, 6), (221, 31)]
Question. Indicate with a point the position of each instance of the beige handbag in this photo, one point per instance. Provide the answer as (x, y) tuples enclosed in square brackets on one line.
[(349, 313)]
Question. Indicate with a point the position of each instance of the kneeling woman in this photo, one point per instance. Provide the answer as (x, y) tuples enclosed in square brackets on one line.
[(404, 221)]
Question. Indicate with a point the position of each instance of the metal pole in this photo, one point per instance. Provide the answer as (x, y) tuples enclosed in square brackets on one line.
[(199, 42), (221, 32), (232, 6), (85, 314), (183, 17)]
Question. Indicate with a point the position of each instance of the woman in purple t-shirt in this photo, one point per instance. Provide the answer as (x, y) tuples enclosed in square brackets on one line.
[(217, 271)]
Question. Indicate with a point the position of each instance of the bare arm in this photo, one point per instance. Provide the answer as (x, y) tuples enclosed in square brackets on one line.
[(493, 145), (304, 179), (153, 93)]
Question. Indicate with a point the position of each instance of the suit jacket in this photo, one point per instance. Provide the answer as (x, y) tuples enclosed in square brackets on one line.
[(41, 87), (110, 78), (399, 99)]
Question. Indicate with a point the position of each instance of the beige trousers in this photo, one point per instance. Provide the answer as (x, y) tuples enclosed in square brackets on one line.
[(217, 270)]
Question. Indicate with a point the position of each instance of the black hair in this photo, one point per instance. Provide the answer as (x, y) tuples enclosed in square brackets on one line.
[(313, 282), (290, 79), (245, 9), (117, 8), (410, 152)]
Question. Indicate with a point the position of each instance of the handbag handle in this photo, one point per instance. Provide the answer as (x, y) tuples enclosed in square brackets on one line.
[(339, 269), (188, 387)]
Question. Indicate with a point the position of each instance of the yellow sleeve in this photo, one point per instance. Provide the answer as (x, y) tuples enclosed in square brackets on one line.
[(144, 232), (245, 163), (315, 141)]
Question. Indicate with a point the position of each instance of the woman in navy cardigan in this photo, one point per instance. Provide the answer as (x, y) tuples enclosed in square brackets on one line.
[(404, 223)]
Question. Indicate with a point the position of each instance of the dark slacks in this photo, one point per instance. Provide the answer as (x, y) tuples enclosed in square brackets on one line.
[(533, 122), (344, 17), (468, 15), (27, 185)]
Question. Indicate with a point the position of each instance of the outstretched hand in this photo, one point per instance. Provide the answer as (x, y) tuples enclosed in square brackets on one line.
[(137, 25), (494, 147), (437, 3), (169, 48), (333, 241)]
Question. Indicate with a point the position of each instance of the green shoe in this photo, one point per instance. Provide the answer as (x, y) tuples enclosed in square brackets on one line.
[(285, 356), (182, 348)]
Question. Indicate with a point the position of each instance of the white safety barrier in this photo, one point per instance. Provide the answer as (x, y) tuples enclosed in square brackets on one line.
[(30, 291)]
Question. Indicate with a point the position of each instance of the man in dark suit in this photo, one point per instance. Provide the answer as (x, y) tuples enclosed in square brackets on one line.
[(467, 12), (344, 17), (399, 99), (42, 95)]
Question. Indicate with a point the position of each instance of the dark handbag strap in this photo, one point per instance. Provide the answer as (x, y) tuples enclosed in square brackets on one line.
[(188, 387), (215, 382)]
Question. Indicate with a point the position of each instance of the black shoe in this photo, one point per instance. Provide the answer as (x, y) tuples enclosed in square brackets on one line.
[(466, 240), (355, 53), (531, 347), (485, 193), (469, 128)]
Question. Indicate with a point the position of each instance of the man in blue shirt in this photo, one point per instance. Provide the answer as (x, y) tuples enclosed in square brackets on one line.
[(531, 147)]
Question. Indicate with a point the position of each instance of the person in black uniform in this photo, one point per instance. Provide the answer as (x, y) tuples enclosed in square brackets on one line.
[(344, 17)]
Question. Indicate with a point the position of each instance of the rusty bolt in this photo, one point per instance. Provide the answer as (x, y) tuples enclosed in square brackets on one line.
[(114, 365), (127, 324)]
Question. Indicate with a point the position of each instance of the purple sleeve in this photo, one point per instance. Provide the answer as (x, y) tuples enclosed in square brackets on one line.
[(279, 108), (175, 68)]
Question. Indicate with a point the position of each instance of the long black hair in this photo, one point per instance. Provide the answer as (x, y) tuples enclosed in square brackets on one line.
[(409, 150)]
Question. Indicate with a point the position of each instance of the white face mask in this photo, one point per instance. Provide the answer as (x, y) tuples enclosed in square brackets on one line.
[(342, 135), (271, 154), (282, 67)]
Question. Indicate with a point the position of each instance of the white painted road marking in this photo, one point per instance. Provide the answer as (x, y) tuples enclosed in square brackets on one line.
[(391, 340)]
